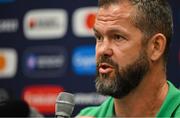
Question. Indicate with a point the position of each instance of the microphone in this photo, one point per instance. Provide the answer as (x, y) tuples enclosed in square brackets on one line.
[(64, 105)]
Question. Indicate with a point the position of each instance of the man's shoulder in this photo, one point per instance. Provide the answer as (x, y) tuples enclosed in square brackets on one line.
[(105, 109), (89, 111), (171, 105), (177, 112), (174, 93)]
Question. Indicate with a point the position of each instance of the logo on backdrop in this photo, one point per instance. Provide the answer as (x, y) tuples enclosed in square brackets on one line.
[(45, 24), (42, 97), (45, 61), (83, 21), (8, 25), (8, 62), (83, 60)]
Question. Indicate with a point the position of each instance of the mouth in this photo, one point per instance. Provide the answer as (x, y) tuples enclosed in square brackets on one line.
[(105, 68)]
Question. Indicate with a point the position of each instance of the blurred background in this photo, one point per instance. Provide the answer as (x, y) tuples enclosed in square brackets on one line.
[(47, 46)]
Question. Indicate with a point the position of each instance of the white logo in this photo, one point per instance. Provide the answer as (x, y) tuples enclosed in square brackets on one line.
[(89, 98), (83, 21), (8, 63), (8, 25), (45, 24)]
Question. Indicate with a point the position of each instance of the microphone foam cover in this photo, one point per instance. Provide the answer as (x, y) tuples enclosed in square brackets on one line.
[(64, 104)]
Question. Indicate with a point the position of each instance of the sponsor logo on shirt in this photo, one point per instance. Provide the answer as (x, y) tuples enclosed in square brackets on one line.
[(42, 97), (8, 25), (8, 62), (45, 24), (83, 60), (88, 98), (83, 21), (44, 61)]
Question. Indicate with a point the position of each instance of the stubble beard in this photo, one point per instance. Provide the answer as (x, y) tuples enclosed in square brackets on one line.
[(124, 79)]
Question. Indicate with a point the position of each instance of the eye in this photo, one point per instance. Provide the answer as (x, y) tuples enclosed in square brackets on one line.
[(118, 37), (98, 37)]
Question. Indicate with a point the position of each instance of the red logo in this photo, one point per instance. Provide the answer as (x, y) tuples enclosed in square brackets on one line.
[(42, 97), (90, 20), (3, 62), (32, 23), (83, 21)]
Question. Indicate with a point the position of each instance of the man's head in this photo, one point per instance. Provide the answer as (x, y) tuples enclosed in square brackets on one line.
[(150, 16), (131, 36)]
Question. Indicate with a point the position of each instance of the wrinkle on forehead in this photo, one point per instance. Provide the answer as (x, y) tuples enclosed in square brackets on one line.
[(115, 12), (115, 16)]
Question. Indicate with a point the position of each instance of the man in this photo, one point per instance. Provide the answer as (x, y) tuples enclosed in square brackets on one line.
[(132, 41)]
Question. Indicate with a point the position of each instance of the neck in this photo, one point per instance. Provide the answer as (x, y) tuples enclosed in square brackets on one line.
[(146, 99)]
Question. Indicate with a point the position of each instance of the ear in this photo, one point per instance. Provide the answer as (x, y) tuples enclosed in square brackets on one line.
[(157, 46)]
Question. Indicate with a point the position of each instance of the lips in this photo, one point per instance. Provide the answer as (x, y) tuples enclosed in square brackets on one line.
[(105, 68)]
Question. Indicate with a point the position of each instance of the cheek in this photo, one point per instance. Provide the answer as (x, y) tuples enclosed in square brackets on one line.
[(124, 57), (97, 52), (128, 53), (96, 57)]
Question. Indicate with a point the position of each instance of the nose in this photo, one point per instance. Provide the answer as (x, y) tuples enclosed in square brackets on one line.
[(104, 49)]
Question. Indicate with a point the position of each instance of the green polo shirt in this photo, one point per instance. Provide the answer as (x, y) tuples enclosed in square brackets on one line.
[(170, 107)]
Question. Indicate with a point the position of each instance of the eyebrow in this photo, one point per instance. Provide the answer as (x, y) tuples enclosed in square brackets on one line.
[(109, 31)]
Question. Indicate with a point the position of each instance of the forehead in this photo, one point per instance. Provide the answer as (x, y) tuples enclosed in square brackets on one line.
[(115, 11), (115, 16)]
